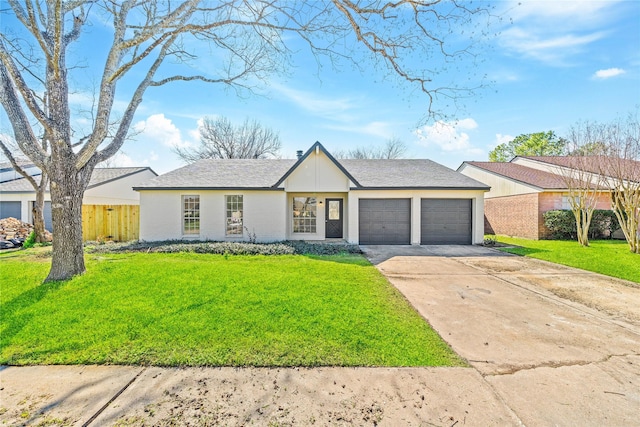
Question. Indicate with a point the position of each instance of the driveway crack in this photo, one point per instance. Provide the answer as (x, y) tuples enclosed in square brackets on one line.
[(553, 364)]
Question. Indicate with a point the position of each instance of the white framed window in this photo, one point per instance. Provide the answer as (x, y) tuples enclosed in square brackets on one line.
[(234, 215), (191, 214), (304, 214)]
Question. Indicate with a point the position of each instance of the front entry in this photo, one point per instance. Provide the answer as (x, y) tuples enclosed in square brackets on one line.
[(333, 219)]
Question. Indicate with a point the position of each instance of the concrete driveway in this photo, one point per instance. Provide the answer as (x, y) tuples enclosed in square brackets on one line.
[(560, 346)]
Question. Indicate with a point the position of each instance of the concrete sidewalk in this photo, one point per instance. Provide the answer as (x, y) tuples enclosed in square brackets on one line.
[(94, 395)]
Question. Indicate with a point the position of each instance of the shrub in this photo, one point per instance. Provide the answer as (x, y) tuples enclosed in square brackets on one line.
[(31, 241), (226, 248), (562, 224)]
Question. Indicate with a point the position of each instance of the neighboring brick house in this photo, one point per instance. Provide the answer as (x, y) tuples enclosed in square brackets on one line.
[(520, 195)]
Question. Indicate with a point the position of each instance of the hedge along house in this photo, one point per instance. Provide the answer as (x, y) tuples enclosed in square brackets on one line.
[(521, 193), (315, 197), (109, 189)]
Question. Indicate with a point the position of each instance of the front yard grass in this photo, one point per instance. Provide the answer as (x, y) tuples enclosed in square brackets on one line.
[(609, 257), (188, 309)]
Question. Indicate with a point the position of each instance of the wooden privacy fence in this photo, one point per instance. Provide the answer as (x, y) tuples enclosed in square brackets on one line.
[(119, 223)]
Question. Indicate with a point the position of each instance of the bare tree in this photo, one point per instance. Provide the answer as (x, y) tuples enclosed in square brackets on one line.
[(584, 183), (394, 148), (220, 139), (39, 185), (252, 39), (622, 167)]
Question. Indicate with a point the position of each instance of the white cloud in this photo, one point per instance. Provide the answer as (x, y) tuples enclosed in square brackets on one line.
[(449, 136), (553, 31), (501, 139), (546, 47), (608, 73), (158, 128), (333, 108)]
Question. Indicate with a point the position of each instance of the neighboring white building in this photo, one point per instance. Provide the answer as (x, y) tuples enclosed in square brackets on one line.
[(315, 197), (108, 186)]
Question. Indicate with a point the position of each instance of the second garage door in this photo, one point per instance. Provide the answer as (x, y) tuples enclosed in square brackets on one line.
[(384, 221), (445, 222)]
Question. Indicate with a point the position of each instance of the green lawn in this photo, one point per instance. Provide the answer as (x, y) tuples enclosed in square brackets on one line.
[(189, 309), (610, 257)]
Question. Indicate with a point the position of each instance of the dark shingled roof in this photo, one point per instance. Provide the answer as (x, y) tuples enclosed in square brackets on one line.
[(223, 173), (538, 178), (408, 173), (266, 173), (98, 177)]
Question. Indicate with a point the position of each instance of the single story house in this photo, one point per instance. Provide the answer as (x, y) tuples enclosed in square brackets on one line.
[(108, 186), (314, 197), (522, 190)]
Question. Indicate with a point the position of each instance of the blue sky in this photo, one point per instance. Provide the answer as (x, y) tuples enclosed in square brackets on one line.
[(552, 64)]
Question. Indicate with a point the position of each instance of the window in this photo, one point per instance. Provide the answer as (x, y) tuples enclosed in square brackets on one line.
[(304, 214), (191, 214), (234, 215)]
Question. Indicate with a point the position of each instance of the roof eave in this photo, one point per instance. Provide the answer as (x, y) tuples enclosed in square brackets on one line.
[(206, 188), (142, 169), (484, 188)]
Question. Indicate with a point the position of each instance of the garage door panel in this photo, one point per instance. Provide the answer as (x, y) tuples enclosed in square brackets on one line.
[(445, 221), (11, 209), (384, 221)]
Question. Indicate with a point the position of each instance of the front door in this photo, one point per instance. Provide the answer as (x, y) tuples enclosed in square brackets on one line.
[(333, 219)]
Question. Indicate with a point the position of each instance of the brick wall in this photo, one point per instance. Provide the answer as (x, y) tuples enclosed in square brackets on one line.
[(513, 215), (553, 201), (547, 202)]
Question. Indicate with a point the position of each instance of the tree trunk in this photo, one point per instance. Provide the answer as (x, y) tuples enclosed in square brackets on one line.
[(38, 210), (67, 191)]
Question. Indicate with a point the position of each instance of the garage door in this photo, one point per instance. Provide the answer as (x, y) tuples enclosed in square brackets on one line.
[(11, 209), (445, 222), (384, 221)]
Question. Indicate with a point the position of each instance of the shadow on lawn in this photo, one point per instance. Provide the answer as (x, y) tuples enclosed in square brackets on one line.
[(520, 250), (15, 314)]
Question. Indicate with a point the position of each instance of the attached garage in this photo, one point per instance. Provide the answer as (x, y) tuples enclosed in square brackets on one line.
[(384, 221), (445, 222), (11, 209)]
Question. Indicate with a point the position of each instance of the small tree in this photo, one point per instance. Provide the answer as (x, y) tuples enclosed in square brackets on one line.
[(220, 139), (530, 144), (622, 168), (583, 184), (394, 148)]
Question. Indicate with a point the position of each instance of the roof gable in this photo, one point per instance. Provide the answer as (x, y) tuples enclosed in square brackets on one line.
[(316, 149)]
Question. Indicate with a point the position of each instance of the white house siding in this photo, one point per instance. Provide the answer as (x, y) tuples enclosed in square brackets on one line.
[(500, 186), (161, 215), (477, 207), (317, 174), (117, 192)]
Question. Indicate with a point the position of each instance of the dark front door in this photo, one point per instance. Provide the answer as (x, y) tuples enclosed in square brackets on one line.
[(333, 219)]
